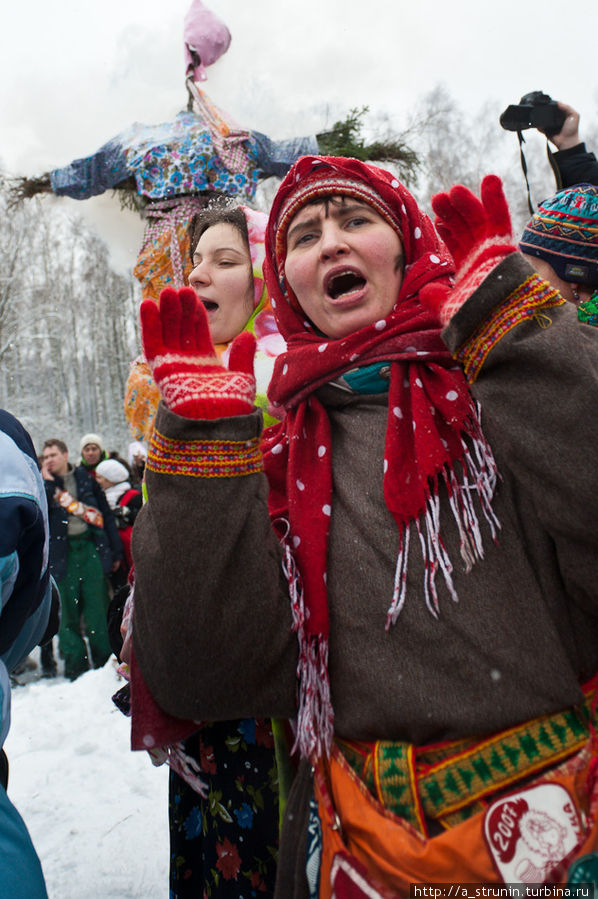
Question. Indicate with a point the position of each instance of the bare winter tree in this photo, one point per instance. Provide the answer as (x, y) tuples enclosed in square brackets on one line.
[(455, 147), (68, 326), (13, 244)]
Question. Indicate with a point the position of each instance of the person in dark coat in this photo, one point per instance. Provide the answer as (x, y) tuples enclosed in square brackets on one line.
[(409, 557), (572, 163), (84, 548), (91, 447)]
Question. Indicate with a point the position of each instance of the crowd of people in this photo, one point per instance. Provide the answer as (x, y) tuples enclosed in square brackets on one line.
[(364, 637), (92, 506)]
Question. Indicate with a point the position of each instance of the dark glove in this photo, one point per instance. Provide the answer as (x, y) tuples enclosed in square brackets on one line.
[(124, 516)]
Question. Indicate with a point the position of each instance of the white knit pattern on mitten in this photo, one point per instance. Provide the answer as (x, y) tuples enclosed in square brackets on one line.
[(470, 264), (471, 274), (180, 390), (182, 362)]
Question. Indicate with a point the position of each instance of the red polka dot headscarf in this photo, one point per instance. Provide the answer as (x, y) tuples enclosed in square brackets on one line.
[(432, 421), (426, 256)]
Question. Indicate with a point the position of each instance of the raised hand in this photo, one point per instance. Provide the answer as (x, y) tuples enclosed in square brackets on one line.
[(478, 234), (178, 348), (568, 136)]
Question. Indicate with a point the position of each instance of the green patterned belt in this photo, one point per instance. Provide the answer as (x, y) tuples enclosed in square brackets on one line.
[(447, 781)]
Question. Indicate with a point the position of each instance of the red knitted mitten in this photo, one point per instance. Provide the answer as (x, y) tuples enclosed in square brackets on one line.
[(179, 350), (478, 234)]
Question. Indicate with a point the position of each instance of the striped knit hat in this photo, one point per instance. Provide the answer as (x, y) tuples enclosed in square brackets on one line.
[(564, 232)]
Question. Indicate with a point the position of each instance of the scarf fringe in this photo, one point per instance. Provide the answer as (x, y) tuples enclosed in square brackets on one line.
[(478, 478), (182, 764), (400, 586), (485, 473), (315, 717)]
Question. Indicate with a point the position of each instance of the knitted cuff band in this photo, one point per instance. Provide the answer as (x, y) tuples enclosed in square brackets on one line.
[(204, 458), (527, 302)]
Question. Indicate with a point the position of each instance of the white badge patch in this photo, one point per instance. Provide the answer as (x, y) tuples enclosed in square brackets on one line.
[(531, 831)]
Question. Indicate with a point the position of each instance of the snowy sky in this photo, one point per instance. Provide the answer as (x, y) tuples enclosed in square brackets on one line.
[(74, 74)]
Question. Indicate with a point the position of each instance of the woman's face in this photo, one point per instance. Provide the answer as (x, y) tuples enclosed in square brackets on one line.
[(344, 264), (223, 281)]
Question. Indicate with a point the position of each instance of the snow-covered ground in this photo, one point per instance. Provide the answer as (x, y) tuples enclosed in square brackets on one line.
[(97, 812)]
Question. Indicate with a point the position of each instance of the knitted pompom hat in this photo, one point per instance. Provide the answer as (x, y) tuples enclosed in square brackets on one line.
[(91, 438), (564, 232), (113, 471)]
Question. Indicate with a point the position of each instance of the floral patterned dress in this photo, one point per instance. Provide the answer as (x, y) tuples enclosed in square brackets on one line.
[(226, 846)]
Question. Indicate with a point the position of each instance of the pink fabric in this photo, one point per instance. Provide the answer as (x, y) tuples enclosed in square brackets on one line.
[(205, 33)]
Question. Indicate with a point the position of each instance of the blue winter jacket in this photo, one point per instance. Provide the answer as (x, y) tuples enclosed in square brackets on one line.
[(107, 540), (25, 584)]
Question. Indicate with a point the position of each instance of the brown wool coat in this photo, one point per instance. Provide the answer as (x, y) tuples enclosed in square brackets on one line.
[(212, 619)]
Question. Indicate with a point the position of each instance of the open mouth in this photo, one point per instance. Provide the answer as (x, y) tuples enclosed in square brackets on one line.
[(209, 305), (343, 284)]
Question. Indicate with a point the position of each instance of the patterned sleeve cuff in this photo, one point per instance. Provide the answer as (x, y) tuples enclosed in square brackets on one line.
[(204, 458), (528, 301)]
